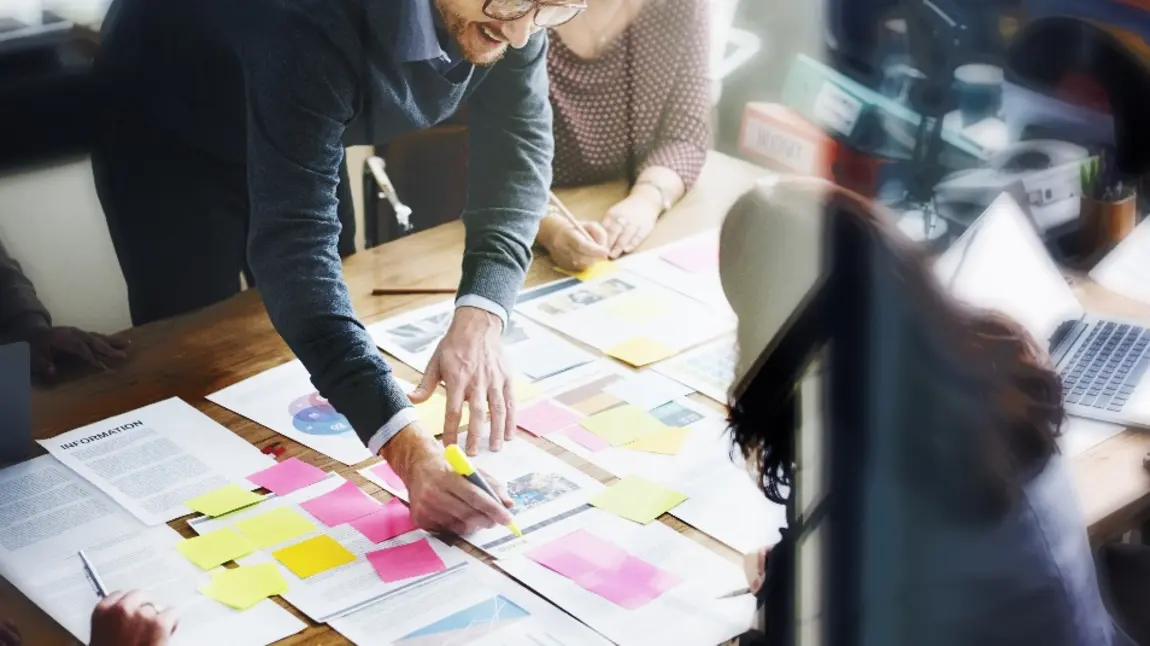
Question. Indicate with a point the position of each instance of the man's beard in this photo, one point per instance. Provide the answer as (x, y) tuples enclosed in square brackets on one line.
[(458, 29)]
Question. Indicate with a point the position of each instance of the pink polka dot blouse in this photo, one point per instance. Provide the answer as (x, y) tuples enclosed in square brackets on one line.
[(648, 92)]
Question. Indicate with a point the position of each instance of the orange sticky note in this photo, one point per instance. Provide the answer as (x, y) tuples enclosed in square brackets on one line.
[(641, 351)]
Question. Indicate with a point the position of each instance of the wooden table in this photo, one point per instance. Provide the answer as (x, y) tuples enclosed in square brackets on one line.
[(197, 354)]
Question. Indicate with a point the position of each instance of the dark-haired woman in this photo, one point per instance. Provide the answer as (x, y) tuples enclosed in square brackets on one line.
[(1022, 573)]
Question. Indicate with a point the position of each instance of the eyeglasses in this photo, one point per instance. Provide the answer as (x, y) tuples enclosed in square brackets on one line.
[(547, 14)]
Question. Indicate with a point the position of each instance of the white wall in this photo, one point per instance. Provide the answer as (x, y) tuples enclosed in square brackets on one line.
[(51, 221)]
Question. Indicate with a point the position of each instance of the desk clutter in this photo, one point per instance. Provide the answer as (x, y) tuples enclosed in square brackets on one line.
[(340, 555)]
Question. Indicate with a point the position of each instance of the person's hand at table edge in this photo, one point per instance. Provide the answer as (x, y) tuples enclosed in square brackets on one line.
[(442, 500), (469, 361), (129, 619)]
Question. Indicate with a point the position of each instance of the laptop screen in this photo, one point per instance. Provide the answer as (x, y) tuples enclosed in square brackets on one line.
[(1000, 263)]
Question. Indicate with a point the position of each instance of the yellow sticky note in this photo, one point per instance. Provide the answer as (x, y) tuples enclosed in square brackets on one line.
[(524, 390), (275, 527), (313, 556), (598, 270), (641, 351), (623, 424), (668, 442), (640, 307), (433, 411), (245, 586), (215, 548), (223, 500), (637, 499)]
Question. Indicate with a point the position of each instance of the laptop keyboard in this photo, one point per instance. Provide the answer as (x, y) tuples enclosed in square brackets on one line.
[(1106, 368)]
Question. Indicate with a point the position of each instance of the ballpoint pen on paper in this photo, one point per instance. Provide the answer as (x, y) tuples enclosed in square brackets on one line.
[(101, 589), (458, 461)]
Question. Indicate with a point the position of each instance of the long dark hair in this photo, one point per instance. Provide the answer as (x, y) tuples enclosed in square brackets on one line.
[(996, 386)]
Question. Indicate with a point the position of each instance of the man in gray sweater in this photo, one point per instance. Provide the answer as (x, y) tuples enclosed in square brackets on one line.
[(225, 131)]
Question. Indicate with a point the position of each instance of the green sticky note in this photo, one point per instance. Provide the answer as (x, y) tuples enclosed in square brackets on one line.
[(275, 527), (623, 424), (216, 548), (637, 499), (313, 556), (245, 586), (223, 500)]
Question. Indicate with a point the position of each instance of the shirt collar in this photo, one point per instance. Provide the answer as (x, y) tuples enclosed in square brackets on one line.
[(417, 39)]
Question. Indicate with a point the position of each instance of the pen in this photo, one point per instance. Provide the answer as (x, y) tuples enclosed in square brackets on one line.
[(407, 291), (101, 589), (737, 593), (561, 209), (458, 461)]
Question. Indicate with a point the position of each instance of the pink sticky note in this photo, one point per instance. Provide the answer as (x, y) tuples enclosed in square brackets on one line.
[(694, 258), (585, 438), (394, 519), (287, 476), (341, 505), (406, 561), (545, 416), (388, 475), (604, 568), (634, 584)]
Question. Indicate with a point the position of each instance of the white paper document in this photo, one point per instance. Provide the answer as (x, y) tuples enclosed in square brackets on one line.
[(708, 369), (1126, 269), (535, 352), (1079, 434), (688, 612), (472, 604), (689, 266), (622, 307), (154, 459), (48, 514), (550, 495), (284, 400), (341, 589), (723, 502)]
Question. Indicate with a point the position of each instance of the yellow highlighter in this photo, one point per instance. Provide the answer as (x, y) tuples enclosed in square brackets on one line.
[(458, 461)]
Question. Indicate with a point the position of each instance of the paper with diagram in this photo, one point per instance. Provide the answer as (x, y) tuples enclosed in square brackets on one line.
[(533, 351), (48, 513), (623, 311), (548, 493), (708, 369), (284, 400), (472, 604), (652, 586), (154, 459)]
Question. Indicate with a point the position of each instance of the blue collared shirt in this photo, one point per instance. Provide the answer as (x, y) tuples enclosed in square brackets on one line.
[(314, 76)]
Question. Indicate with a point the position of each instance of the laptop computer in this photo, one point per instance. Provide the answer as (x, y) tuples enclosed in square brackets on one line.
[(1000, 263), (15, 401)]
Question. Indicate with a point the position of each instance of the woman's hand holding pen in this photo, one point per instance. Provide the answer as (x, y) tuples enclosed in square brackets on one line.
[(572, 249), (129, 619)]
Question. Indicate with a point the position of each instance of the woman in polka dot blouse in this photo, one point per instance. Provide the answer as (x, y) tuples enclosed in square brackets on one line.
[(632, 100)]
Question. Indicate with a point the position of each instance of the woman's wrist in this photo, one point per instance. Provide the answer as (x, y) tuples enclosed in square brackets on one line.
[(649, 194)]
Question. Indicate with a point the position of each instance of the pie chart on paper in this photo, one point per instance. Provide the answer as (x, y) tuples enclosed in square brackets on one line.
[(312, 414)]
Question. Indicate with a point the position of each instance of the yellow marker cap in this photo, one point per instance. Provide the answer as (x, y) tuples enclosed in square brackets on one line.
[(458, 460)]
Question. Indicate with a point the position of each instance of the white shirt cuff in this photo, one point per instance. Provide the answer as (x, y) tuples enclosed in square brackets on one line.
[(485, 304), (397, 423)]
